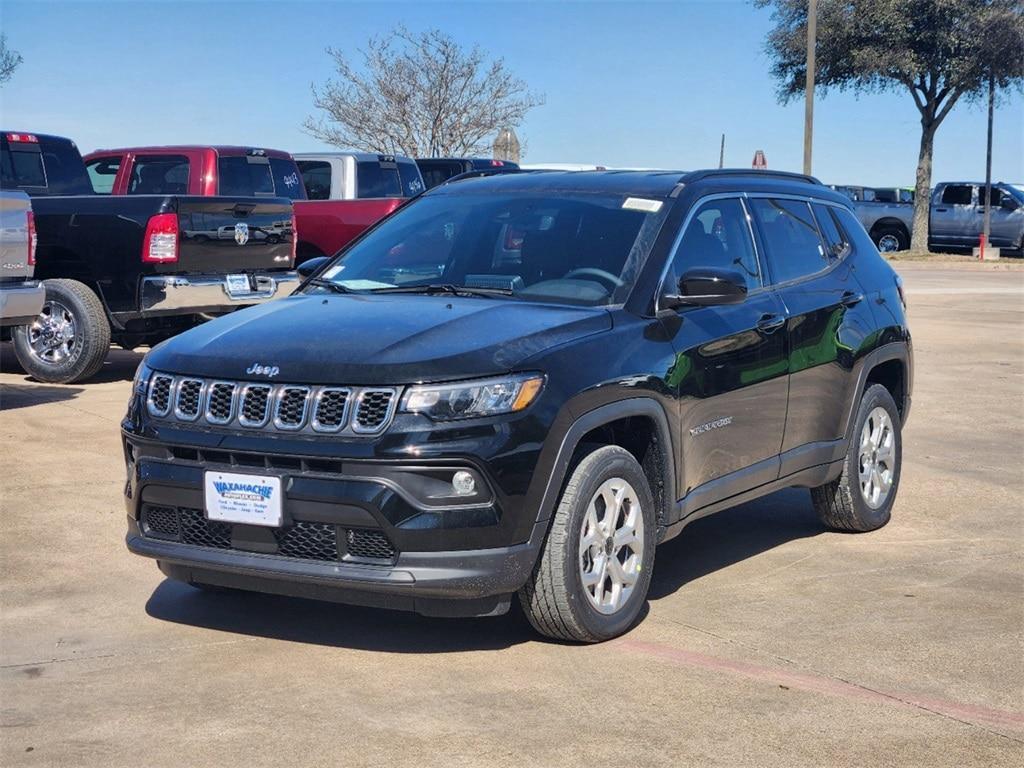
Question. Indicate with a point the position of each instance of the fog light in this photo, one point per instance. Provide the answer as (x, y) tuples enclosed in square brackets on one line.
[(463, 484)]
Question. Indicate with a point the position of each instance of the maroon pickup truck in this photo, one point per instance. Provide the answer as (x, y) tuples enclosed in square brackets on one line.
[(323, 226)]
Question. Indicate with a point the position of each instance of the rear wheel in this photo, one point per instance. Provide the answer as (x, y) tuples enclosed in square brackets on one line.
[(591, 580), (861, 498), (890, 239), (69, 340)]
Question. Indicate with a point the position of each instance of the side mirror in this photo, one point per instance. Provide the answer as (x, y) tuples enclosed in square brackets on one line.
[(708, 286), (1008, 203), (309, 266)]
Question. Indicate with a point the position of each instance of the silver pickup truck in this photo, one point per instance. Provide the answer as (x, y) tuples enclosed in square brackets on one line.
[(956, 217), (21, 298)]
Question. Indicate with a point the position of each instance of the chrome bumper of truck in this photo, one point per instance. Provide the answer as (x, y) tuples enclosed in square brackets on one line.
[(209, 293)]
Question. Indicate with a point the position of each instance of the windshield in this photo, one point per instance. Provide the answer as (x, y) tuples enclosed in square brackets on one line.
[(557, 247)]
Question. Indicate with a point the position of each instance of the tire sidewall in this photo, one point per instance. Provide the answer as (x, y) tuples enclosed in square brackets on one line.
[(79, 361), (874, 397), (901, 239), (603, 464)]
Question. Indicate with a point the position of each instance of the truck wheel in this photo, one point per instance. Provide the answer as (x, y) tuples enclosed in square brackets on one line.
[(890, 239), (861, 498), (69, 339), (591, 579)]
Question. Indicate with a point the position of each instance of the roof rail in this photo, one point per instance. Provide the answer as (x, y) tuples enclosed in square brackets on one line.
[(785, 175)]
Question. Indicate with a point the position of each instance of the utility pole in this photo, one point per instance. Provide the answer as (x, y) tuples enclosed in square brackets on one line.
[(988, 165), (812, 37), (721, 154)]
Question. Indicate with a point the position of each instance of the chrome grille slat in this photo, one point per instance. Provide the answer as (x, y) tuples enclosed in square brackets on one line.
[(158, 401), (330, 409), (255, 410), (290, 407), (188, 398), (220, 402), (299, 408), (374, 409)]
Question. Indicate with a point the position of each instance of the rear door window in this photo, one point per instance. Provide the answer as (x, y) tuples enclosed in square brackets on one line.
[(790, 237), (958, 194), (287, 182), (316, 177), (102, 173), (245, 176), (159, 175)]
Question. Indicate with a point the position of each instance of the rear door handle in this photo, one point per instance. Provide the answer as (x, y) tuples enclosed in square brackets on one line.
[(770, 323), (850, 298)]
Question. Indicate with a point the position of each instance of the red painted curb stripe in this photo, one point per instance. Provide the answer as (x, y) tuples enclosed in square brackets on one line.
[(825, 685)]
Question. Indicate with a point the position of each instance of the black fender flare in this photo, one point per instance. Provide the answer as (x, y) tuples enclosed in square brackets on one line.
[(894, 351), (604, 414)]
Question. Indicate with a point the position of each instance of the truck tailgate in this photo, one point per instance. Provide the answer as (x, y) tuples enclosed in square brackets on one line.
[(234, 234), (326, 226)]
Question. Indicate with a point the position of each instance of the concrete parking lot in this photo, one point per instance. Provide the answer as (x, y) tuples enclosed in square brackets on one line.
[(768, 641)]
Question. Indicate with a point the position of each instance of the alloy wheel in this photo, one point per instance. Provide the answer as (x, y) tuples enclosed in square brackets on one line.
[(877, 460), (611, 545)]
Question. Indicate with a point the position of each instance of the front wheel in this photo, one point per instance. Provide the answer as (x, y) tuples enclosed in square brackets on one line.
[(861, 498), (69, 340), (591, 580)]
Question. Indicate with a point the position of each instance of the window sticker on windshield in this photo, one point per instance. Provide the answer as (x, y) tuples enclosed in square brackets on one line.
[(642, 204), (333, 271)]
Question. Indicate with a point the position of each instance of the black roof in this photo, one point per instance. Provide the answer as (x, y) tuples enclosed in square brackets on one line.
[(642, 183)]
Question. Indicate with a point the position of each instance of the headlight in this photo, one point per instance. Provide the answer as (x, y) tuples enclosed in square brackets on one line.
[(470, 399), (141, 380)]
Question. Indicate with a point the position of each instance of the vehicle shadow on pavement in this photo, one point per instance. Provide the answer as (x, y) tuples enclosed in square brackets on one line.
[(731, 536), (334, 624), (120, 365)]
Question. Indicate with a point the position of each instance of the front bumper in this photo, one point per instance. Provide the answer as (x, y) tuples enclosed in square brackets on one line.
[(180, 294), (460, 583), (20, 303)]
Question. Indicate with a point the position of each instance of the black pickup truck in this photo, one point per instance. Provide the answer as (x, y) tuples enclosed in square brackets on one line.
[(135, 269)]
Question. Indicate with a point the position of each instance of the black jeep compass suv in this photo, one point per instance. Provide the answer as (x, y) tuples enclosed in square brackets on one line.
[(522, 384)]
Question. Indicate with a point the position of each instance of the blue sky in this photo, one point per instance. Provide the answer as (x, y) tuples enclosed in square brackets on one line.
[(627, 84)]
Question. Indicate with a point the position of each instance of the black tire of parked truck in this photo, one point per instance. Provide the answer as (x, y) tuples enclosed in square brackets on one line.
[(555, 599), (74, 310), (855, 501), (890, 238)]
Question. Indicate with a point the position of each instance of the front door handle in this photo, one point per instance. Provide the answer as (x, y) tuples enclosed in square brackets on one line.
[(770, 323), (850, 298)]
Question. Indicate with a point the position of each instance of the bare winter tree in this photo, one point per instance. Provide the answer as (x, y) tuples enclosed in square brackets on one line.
[(418, 94), (9, 60), (940, 51)]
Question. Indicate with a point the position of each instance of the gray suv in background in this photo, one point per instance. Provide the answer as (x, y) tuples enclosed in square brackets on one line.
[(21, 298)]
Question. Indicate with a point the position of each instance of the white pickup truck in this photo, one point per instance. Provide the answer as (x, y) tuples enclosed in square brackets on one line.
[(21, 298)]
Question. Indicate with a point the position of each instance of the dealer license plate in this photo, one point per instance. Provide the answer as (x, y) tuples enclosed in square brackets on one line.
[(249, 499)]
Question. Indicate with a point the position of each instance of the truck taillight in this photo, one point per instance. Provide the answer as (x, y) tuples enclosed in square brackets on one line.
[(295, 239), (33, 239), (160, 245)]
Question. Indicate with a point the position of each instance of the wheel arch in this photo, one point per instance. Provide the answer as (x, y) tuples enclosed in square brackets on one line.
[(640, 426), (892, 367)]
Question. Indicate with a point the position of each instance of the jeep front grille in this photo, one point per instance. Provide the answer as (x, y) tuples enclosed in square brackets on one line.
[(285, 407)]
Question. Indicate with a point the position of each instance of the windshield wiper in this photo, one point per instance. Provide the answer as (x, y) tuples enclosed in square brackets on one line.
[(322, 282), (454, 290)]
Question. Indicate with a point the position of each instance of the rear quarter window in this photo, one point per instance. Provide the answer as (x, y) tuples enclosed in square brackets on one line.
[(316, 178)]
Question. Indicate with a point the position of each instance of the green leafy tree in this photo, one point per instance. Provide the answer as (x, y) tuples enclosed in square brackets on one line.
[(941, 51), (419, 94), (9, 60)]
